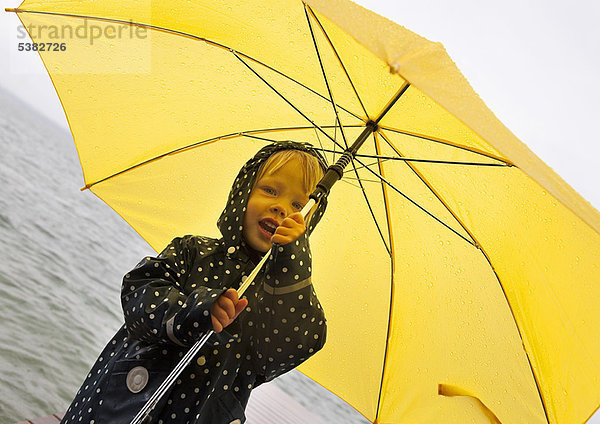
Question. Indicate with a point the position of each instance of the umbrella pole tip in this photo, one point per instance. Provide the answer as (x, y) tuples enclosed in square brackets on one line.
[(10, 9)]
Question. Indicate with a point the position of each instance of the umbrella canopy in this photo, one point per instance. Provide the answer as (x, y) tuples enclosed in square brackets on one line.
[(459, 274)]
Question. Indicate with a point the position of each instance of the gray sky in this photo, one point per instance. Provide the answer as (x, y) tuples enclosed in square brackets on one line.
[(535, 63)]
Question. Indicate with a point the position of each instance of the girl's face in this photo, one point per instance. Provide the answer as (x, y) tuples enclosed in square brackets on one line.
[(274, 196)]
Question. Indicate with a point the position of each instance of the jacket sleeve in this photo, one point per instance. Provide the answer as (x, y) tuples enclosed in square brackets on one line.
[(157, 309), (290, 323)]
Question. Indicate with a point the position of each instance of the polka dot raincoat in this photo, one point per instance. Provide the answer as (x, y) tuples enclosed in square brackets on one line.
[(166, 302)]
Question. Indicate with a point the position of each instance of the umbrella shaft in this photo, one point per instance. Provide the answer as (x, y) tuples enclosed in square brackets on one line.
[(336, 171)]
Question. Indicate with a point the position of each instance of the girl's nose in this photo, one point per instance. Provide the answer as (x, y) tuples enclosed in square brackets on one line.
[(279, 210)]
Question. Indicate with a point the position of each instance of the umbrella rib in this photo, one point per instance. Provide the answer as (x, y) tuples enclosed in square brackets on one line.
[(447, 143), (324, 150), (416, 204), (339, 59), (422, 178), (387, 247), (362, 179), (350, 181), (250, 134), (287, 101), (443, 162), (198, 144), (338, 121), (321, 144), (334, 151), (535, 378), (195, 37), (367, 166), (380, 157), (293, 80), (392, 268)]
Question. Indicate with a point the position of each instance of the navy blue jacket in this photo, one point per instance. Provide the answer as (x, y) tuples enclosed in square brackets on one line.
[(166, 302)]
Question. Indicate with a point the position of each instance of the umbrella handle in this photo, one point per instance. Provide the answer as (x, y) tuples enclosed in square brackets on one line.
[(189, 356)]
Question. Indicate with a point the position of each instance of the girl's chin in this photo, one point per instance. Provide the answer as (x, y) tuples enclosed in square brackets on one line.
[(261, 246)]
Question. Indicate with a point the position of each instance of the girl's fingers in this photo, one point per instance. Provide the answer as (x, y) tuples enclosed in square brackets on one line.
[(296, 217), (294, 220), (220, 314), (231, 294), (241, 305), (220, 319), (227, 305), (293, 231), (226, 309), (217, 326), (292, 228), (285, 235), (279, 239)]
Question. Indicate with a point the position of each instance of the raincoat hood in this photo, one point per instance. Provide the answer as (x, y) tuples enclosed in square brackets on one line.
[(230, 221)]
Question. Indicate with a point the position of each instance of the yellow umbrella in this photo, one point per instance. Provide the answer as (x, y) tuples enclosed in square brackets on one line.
[(459, 274)]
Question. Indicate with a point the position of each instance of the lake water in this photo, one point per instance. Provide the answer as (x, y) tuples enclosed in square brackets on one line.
[(64, 254)]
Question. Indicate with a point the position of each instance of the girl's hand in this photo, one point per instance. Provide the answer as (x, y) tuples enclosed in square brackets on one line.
[(226, 309), (290, 229)]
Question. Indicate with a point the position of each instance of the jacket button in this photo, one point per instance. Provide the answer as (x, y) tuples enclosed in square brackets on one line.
[(137, 378), (231, 250)]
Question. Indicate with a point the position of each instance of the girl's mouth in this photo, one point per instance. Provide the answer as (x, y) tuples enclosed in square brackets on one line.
[(267, 227)]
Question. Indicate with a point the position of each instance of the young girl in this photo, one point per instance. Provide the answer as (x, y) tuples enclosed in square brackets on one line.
[(171, 300)]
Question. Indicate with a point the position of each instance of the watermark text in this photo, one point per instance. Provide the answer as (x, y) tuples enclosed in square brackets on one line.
[(84, 31)]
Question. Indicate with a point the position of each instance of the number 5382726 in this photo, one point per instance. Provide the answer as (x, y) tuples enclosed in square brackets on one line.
[(50, 47)]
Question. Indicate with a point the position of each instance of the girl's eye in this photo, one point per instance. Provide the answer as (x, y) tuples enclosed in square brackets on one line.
[(269, 190), (298, 205)]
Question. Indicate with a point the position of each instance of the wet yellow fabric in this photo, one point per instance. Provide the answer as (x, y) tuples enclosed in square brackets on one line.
[(488, 276)]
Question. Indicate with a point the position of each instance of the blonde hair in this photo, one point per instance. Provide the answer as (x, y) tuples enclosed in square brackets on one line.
[(310, 164)]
